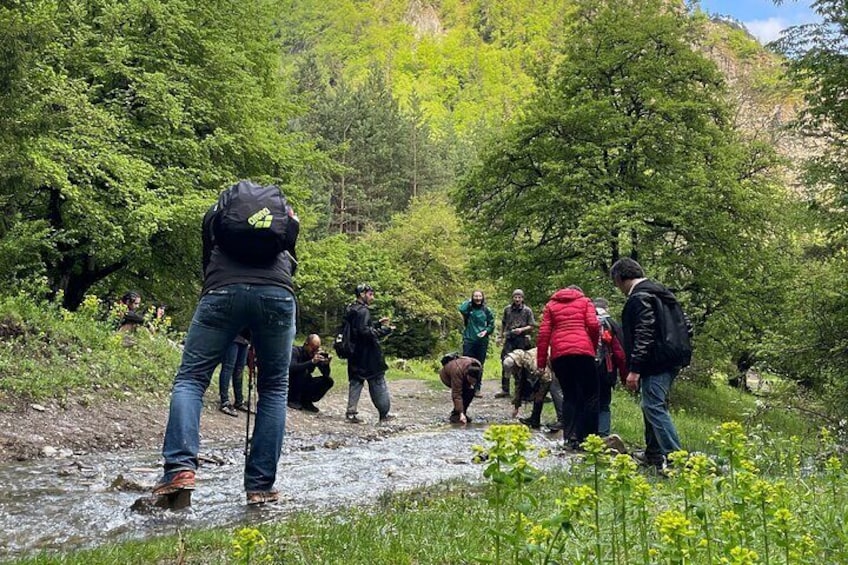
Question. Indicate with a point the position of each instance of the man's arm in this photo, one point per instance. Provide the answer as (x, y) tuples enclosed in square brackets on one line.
[(644, 332), (206, 237)]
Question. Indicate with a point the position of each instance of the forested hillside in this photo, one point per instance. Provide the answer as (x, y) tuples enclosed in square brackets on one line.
[(431, 147)]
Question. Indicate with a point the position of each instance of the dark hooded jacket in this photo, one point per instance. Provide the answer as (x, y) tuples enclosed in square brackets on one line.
[(643, 321), (367, 360)]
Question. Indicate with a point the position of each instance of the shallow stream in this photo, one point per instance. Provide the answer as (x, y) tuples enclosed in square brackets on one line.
[(74, 503)]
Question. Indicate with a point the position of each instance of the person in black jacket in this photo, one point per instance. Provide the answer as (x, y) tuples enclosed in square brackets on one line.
[(367, 362), (304, 389), (237, 293), (653, 358)]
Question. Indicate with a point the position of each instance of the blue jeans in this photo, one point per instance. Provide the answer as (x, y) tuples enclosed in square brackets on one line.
[(660, 434), (232, 367), (377, 389), (268, 311)]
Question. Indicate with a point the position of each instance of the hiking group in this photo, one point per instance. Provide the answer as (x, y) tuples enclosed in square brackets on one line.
[(247, 300)]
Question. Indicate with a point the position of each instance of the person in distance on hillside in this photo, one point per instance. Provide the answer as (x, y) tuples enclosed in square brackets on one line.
[(367, 363), (652, 363), (304, 389)]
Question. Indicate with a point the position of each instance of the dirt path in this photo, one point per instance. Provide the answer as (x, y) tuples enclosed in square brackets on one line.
[(30, 430)]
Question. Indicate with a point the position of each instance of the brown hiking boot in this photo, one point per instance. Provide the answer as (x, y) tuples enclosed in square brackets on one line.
[(262, 497), (183, 480)]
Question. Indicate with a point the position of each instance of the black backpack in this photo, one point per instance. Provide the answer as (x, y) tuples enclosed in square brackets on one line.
[(253, 224), (674, 332), (448, 357), (343, 343)]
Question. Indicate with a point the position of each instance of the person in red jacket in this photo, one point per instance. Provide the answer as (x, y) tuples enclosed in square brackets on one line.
[(569, 336)]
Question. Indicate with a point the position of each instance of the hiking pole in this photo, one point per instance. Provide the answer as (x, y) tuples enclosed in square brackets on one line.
[(251, 378)]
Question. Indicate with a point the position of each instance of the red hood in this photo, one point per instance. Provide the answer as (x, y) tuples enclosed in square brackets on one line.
[(567, 295)]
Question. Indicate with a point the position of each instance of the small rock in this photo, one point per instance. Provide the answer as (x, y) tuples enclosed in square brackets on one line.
[(333, 444), (38, 407), (65, 453), (49, 451)]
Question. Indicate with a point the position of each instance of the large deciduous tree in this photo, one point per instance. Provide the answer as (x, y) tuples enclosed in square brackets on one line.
[(627, 150), (118, 122)]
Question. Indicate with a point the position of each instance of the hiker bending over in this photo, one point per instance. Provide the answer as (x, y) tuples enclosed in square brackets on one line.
[(249, 239), (461, 376), (304, 389), (530, 382)]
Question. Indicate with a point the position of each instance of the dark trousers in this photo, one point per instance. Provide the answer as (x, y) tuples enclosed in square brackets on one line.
[(580, 389), (604, 402), (477, 350), (306, 389), (467, 398)]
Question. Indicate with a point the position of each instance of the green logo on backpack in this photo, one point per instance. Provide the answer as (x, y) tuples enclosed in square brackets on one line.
[(261, 219)]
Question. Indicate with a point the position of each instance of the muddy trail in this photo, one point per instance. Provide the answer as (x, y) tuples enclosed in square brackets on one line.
[(78, 499)]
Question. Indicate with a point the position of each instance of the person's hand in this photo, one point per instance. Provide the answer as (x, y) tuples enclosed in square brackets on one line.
[(384, 321), (515, 331), (463, 419), (482, 334), (515, 412), (316, 359), (632, 382)]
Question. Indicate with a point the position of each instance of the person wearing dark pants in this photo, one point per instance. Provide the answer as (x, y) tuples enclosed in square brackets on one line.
[(479, 325), (232, 369), (304, 389), (516, 325), (367, 363), (657, 343), (461, 376), (568, 336), (611, 363)]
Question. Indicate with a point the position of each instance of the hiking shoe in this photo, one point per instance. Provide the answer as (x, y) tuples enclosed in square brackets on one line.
[(387, 418), (615, 443), (229, 410), (502, 394), (553, 427), (243, 407), (353, 419), (183, 480), (649, 460), (530, 423), (478, 394), (309, 407), (262, 497), (294, 405)]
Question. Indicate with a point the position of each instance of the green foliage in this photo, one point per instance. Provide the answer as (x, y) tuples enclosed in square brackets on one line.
[(47, 351), (627, 150), (121, 119)]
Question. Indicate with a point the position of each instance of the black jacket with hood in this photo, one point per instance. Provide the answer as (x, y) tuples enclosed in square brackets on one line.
[(367, 359), (648, 314)]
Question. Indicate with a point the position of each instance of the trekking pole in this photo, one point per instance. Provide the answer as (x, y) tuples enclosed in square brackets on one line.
[(251, 378)]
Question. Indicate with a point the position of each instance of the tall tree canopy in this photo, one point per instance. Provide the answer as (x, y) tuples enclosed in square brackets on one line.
[(627, 150), (119, 120)]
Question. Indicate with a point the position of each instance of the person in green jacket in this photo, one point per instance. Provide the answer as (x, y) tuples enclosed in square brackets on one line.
[(479, 325)]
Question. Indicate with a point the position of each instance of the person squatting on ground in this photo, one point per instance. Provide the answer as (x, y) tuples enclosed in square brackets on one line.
[(568, 336), (657, 345), (461, 375), (249, 260), (610, 362), (304, 389), (529, 381), (367, 362), (479, 324), (516, 325), (232, 369)]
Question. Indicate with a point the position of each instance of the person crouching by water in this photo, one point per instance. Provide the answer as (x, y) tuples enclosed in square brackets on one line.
[(461, 375), (533, 383), (304, 389)]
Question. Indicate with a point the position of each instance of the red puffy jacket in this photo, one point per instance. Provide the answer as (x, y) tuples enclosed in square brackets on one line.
[(569, 327)]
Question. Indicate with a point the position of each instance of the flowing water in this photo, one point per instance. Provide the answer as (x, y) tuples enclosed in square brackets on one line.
[(75, 503)]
